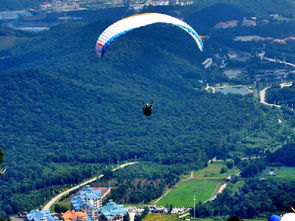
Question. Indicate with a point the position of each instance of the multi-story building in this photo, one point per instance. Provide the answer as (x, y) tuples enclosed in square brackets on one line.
[(88, 197), (90, 200), (113, 211)]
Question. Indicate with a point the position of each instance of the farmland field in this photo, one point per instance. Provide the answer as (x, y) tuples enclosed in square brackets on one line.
[(182, 195)]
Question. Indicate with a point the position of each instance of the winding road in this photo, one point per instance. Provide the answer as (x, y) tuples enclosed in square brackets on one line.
[(60, 195), (262, 98)]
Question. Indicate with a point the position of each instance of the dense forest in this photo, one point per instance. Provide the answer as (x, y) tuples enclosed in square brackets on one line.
[(255, 198), (283, 96), (284, 155), (66, 114), (143, 182)]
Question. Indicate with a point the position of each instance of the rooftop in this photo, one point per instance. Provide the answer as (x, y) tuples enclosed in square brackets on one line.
[(36, 215), (72, 215), (112, 209)]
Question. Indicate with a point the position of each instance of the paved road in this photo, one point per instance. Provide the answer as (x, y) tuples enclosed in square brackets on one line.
[(57, 197)]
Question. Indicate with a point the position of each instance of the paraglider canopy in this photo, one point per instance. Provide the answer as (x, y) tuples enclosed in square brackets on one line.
[(136, 21)]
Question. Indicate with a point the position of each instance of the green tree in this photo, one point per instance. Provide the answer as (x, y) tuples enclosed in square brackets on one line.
[(59, 208), (126, 217)]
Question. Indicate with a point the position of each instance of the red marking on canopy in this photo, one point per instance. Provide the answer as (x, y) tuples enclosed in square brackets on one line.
[(100, 44)]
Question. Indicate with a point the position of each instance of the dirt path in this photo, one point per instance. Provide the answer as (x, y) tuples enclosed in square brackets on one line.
[(279, 61), (262, 98), (57, 197), (218, 190), (286, 84)]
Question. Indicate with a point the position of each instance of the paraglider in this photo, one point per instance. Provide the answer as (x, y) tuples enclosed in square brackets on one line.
[(136, 21), (147, 109)]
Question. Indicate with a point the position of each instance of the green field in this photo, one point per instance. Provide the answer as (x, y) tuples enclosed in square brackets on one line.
[(286, 173), (174, 217), (281, 173), (203, 185), (161, 217), (182, 195), (212, 172), (65, 203), (10, 41)]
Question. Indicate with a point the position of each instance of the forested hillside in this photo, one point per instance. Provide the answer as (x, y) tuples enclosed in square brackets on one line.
[(283, 96), (256, 198), (65, 114), (285, 155)]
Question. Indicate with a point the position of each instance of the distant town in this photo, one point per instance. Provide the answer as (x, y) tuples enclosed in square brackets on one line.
[(54, 11), (87, 205)]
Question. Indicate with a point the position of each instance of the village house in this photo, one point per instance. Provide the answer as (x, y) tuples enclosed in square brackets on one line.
[(227, 24), (74, 216), (248, 22), (36, 215)]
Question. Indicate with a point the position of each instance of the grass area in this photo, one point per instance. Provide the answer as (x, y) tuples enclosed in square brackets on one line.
[(212, 172), (10, 41), (238, 185), (259, 219), (281, 173), (66, 203), (161, 217), (203, 186), (286, 173), (182, 195), (6, 42)]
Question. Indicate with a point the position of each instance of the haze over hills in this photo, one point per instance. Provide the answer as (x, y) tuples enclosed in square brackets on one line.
[(66, 114)]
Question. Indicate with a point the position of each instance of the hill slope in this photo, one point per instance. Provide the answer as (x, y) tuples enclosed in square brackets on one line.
[(65, 114)]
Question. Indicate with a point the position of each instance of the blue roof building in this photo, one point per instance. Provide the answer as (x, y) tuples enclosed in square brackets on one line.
[(36, 215), (113, 211), (90, 200)]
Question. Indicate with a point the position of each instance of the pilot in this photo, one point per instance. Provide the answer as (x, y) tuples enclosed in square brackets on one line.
[(147, 109)]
